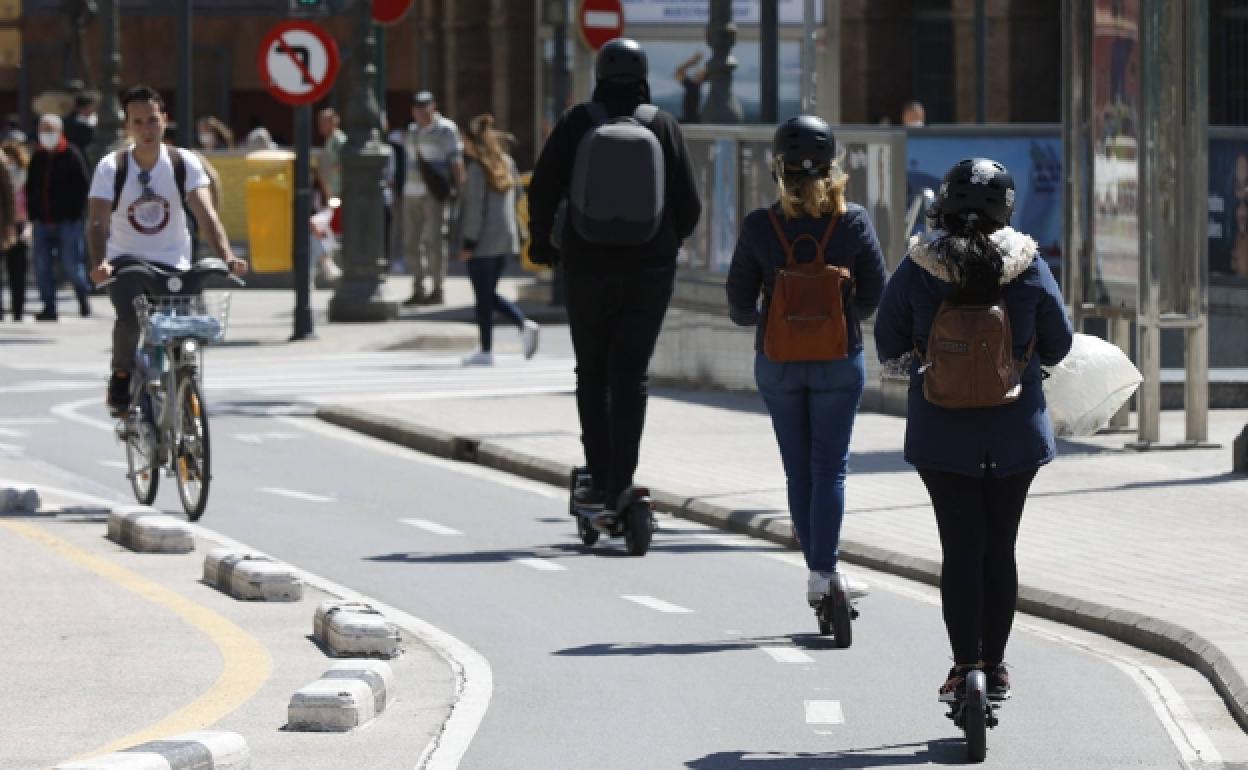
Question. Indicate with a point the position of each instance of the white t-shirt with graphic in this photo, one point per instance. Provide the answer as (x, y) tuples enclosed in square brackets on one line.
[(149, 222)]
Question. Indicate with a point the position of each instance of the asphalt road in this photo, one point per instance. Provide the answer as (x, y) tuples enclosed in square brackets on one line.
[(700, 655)]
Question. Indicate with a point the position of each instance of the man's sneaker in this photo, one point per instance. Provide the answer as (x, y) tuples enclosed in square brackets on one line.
[(435, 297), (591, 498), (417, 298), (954, 687), (118, 393), (529, 335), (479, 358), (45, 316), (998, 682)]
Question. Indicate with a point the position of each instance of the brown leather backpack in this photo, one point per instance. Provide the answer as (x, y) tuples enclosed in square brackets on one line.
[(970, 360), (806, 315)]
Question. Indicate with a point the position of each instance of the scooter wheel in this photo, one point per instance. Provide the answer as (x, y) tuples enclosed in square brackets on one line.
[(842, 620), (639, 529), (974, 716), (588, 534)]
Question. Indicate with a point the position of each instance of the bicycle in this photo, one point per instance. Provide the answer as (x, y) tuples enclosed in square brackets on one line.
[(166, 425)]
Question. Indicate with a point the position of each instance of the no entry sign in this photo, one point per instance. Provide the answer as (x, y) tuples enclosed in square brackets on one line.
[(599, 21), (298, 62), (388, 12)]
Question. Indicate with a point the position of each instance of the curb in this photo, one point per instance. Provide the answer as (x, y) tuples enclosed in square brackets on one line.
[(145, 530), (352, 628), (251, 576), (347, 696), (206, 750), (1142, 631)]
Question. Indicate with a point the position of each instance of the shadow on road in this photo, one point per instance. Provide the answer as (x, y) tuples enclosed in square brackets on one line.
[(642, 649), (944, 751)]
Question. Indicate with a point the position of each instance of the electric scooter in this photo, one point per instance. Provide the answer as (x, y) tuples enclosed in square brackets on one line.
[(632, 519), (974, 713), (836, 613)]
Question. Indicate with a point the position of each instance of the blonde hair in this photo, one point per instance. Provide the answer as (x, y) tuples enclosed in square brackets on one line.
[(488, 150), (812, 196)]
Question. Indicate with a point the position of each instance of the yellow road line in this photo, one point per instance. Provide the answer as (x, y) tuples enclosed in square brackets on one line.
[(246, 664)]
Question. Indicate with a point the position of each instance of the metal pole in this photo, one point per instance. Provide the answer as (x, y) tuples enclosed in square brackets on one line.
[(358, 296), (186, 56), (981, 62), (1076, 155), (828, 64), (809, 66), (722, 105), (559, 85), (302, 213), (769, 60), (108, 132), (1195, 236), (380, 64)]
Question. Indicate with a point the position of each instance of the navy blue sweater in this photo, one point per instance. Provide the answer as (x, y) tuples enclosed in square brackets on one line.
[(758, 255), (1004, 439)]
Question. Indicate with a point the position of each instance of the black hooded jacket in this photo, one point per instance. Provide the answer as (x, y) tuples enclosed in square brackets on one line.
[(553, 176)]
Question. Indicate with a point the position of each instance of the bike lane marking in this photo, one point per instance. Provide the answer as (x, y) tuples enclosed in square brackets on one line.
[(295, 494), (432, 527), (245, 662), (824, 712), (656, 604)]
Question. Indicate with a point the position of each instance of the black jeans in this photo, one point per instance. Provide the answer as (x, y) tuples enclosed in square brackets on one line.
[(15, 259), (484, 273), (123, 291), (978, 520), (615, 322)]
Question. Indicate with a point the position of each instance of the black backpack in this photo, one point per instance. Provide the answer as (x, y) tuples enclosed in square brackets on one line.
[(617, 195), (179, 179)]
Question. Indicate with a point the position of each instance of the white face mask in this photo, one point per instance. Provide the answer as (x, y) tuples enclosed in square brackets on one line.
[(49, 139), (208, 140)]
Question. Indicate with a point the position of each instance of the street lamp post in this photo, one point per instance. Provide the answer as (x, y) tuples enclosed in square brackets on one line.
[(358, 296), (722, 105), (108, 130)]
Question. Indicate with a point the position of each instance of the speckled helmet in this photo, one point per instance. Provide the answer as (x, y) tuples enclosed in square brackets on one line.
[(976, 186)]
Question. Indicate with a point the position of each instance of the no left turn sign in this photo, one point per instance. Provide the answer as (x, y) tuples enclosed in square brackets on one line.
[(298, 62)]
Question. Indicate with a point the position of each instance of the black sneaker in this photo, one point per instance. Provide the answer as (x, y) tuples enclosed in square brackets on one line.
[(118, 394), (954, 688), (998, 682)]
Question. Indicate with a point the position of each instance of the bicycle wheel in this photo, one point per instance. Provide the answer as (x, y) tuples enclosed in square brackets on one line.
[(142, 465), (192, 455)]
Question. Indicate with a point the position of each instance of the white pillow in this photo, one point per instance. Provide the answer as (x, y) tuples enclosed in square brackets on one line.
[(1089, 386)]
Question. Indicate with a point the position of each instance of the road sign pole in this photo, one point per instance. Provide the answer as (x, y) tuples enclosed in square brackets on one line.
[(302, 214)]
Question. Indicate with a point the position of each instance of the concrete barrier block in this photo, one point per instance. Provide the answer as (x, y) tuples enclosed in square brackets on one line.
[(252, 576), (204, 750), (331, 705), (354, 628), (145, 530), (20, 500), (377, 674)]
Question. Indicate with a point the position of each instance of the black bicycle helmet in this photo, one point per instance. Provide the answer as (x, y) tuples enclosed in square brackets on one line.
[(621, 58), (976, 186), (804, 145)]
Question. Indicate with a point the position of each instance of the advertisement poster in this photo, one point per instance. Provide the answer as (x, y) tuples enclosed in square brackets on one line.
[(1228, 208), (698, 12), (1034, 160), (1115, 135)]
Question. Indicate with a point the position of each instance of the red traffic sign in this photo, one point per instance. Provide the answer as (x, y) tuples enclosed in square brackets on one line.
[(599, 21), (388, 12), (298, 62)]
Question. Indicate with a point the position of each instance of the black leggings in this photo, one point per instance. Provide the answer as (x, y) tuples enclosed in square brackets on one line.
[(15, 273), (978, 520)]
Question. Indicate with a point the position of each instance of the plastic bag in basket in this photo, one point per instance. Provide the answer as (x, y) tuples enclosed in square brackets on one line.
[(1089, 386), (168, 327)]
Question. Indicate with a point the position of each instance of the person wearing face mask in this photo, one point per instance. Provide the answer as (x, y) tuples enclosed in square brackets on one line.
[(80, 124), (56, 198), (16, 237), (213, 134)]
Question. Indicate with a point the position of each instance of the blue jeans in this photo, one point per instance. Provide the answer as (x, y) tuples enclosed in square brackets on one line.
[(484, 273), (812, 406), (67, 240)]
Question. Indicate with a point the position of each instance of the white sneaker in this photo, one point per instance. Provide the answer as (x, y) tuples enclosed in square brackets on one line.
[(819, 584), (529, 335), (479, 358)]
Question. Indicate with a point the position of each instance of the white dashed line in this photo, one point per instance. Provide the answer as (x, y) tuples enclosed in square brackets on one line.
[(12, 433), (432, 527), (115, 464), (656, 604), (781, 654), (297, 495), (10, 448), (27, 421), (541, 564), (248, 438), (824, 712)]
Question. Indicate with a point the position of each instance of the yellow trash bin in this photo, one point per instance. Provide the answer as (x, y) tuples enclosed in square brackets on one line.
[(270, 210)]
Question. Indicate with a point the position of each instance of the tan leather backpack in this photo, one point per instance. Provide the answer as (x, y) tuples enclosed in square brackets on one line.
[(970, 360), (806, 315)]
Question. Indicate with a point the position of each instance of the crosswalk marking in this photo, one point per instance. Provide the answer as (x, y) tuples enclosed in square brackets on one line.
[(295, 494), (432, 527), (824, 712), (656, 604)]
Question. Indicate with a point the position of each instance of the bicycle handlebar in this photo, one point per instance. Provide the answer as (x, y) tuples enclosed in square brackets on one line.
[(187, 281)]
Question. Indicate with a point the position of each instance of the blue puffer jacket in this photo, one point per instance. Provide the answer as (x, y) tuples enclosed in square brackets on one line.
[(1005, 439), (758, 254)]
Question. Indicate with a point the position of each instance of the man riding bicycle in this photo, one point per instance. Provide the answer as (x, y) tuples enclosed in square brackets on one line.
[(138, 208)]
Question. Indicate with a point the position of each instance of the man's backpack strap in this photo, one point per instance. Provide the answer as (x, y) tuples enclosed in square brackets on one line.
[(119, 177), (179, 172), (645, 114)]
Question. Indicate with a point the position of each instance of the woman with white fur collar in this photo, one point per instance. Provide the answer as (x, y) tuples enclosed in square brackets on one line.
[(977, 464)]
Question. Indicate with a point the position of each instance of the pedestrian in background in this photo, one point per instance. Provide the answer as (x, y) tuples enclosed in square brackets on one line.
[(691, 81), (813, 398), (328, 122), (435, 174), (976, 462), (80, 123), (491, 234), (12, 225), (56, 197), (213, 134)]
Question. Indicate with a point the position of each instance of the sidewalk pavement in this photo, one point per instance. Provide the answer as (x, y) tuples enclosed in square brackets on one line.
[(1148, 548), (84, 617)]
